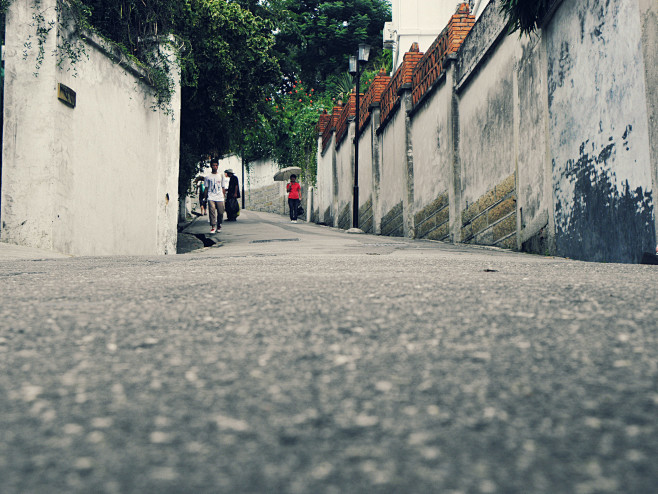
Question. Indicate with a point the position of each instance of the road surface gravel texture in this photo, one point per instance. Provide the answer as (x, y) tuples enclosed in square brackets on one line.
[(302, 359)]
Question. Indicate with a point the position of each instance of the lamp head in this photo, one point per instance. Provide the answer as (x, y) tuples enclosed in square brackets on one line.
[(364, 52), (353, 68)]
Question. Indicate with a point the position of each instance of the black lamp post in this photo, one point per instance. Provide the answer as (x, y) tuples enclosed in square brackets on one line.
[(355, 63), (243, 181)]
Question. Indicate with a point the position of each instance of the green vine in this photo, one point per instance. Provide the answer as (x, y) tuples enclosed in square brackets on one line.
[(42, 30), (75, 15), (158, 68)]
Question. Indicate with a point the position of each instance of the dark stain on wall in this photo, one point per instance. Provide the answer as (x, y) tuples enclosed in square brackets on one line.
[(603, 222), (328, 217), (345, 217), (392, 223), (599, 11), (558, 71), (366, 222)]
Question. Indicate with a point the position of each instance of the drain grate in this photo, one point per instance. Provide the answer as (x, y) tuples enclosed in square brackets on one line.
[(382, 244), (274, 240)]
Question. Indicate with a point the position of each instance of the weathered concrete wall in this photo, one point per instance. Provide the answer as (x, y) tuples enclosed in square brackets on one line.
[(598, 126), (545, 143), (432, 151), (100, 178), (324, 196), (649, 39), (269, 198), (261, 192), (393, 180), (231, 162), (375, 165), (486, 124), (486, 143), (533, 168), (259, 173)]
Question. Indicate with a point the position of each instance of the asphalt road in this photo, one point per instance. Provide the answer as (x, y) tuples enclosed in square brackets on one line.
[(294, 358)]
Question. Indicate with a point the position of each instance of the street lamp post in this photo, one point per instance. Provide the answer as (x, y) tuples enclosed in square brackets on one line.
[(242, 180), (355, 63)]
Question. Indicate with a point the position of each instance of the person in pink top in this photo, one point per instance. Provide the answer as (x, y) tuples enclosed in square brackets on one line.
[(294, 197)]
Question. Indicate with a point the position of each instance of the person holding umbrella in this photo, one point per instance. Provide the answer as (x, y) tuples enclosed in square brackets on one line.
[(294, 197)]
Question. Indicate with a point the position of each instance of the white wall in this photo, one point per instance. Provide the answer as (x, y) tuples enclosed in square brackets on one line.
[(543, 142), (432, 147), (649, 20), (97, 179), (393, 164), (486, 123), (260, 174), (533, 166), (325, 183), (599, 135)]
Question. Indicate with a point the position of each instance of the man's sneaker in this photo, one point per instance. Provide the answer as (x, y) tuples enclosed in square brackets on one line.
[(294, 221), (212, 230), (219, 229)]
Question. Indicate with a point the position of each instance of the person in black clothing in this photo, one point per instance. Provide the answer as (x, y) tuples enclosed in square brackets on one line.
[(232, 196)]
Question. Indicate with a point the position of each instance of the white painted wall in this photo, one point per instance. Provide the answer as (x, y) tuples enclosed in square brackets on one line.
[(324, 198), (393, 164), (599, 135), (569, 111), (260, 174), (97, 179), (649, 20), (486, 123), (432, 151), (533, 166)]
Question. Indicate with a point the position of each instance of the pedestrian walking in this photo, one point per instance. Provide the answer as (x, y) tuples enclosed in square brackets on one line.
[(294, 197), (232, 195), (216, 193)]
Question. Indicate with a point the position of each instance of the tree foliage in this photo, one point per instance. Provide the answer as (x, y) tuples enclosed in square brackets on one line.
[(316, 37), (231, 71), (524, 15), (243, 66)]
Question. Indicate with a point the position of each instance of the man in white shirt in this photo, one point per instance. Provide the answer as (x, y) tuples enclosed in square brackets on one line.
[(216, 191)]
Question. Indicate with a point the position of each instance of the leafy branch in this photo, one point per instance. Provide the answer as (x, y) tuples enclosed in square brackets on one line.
[(524, 16)]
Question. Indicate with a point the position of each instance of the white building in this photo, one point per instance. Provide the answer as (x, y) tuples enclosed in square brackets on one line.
[(420, 21)]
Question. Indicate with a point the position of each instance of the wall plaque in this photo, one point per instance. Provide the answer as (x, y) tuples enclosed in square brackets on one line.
[(66, 95)]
